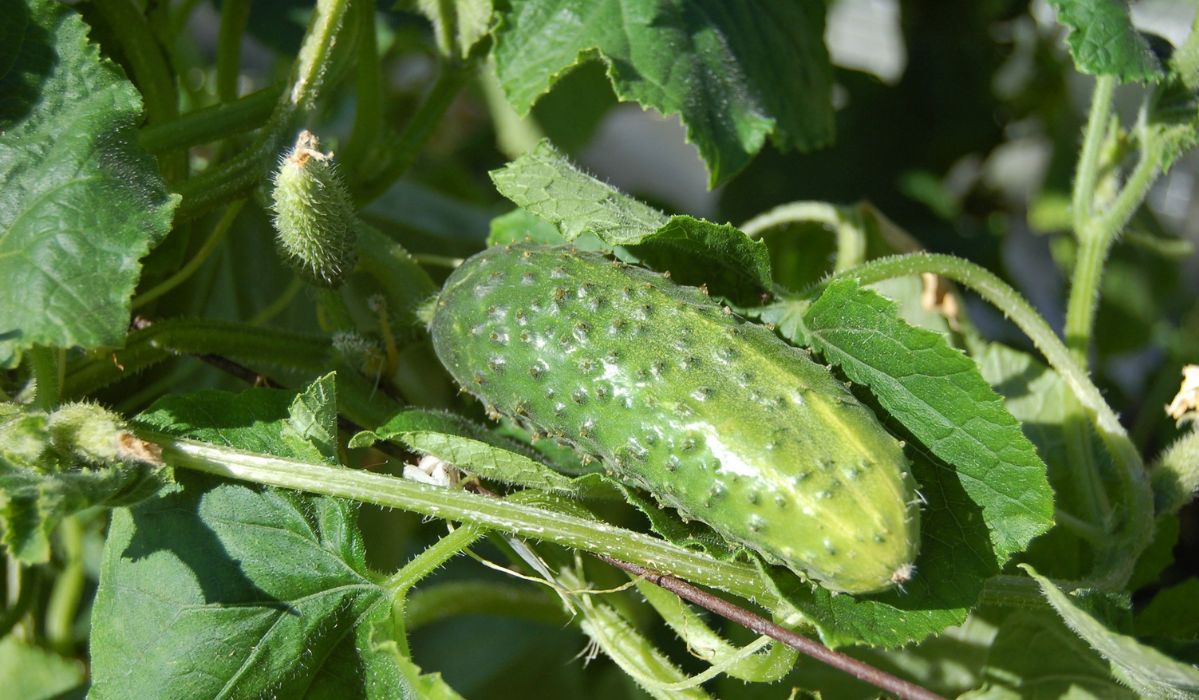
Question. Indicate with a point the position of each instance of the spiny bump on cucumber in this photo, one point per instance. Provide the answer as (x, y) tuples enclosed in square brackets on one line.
[(713, 416)]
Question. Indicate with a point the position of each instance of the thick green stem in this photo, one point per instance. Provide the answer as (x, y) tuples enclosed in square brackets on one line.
[(146, 61), (234, 15), (368, 90), (391, 492), (164, 339), (211, 123), (424, 564), (238, 176), (68, 589), (1096, 236), (1087, 173), (1114, 563), (46, 366), (210, 245), (428, 116)]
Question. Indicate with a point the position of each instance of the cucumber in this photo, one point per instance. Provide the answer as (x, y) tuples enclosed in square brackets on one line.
[(714, 416)]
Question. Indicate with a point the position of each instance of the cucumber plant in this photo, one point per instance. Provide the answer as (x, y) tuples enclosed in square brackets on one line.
[(275, 422)]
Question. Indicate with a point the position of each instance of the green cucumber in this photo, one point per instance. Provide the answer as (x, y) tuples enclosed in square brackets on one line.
[(714, 416)]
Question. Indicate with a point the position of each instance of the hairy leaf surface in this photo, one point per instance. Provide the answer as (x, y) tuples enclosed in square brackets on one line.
[(735, 73), (81, 201)]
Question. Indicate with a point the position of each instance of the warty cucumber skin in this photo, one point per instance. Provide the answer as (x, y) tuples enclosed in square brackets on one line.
[(716, 417)]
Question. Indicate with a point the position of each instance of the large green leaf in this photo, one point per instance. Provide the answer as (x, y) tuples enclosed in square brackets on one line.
[(937, 393), (1144, 669), (80, 201), (548, 186), (735, 73), (1103, 41), (1036, 656), (221, 589)]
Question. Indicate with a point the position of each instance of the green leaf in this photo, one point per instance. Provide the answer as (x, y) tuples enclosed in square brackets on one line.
[(937, 393), (549, 186), (1174, 106), (1050, 417), (701, 252), (30, 673), (1034, 655), (1104, 42), (717, 65), (459, 25), (217, 588), (312, 421), (1173, 613), (81, 201), (1143, 668), (694, 251), (42, 480), (467, 446), (520, 226)]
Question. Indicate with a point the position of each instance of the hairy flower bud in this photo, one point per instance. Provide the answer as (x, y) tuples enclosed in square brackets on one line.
[(314, 214)]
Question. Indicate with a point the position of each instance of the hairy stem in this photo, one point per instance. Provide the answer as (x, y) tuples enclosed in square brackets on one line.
[(141, 49), (391, 492), (234, 15), (1087, 173), (428, 115), (756, 623), (67, 592), (46, 367), (846, 223), (1095, 236), (368, 90), (236, 177), (211, 123)]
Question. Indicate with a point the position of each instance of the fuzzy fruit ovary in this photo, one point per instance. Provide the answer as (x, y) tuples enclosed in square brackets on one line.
[(716, 417), (314, 214)]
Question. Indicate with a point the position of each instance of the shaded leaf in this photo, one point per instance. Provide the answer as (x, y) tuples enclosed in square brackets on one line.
[(1173, 613), (701, 252), (694, 251), (1035, 655), (1141, 667), (30, 673), (715, 64), (1174, 106), (81, 201)]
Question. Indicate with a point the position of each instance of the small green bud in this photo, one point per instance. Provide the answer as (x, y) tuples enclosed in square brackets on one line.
[(88, 432), (314, 214)]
